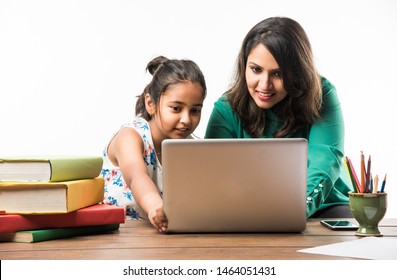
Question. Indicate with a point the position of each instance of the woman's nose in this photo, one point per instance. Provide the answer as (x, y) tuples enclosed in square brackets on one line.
[(265, 81)]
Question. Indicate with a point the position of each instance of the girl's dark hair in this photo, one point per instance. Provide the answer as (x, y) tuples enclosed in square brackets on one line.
[(287, 41), (167, 72)]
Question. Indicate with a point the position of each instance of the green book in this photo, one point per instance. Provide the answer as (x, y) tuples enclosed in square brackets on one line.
[(50, 168), (32, 236)]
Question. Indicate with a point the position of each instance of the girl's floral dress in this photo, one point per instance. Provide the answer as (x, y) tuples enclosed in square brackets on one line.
[(117, 191)]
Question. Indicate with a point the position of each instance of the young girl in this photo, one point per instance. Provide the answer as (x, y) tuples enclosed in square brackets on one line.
[(169, 107), (277, 92)]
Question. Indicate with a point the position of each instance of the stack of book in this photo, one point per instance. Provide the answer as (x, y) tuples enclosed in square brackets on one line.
[(50, 198)]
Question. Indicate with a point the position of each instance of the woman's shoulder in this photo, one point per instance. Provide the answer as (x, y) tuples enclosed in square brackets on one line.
[(224, 112), (222, 102), (330, 96), (222, 107), (327, 86), (222, 99)]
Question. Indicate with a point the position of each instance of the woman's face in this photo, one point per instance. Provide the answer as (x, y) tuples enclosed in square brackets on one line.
[(263, 77)]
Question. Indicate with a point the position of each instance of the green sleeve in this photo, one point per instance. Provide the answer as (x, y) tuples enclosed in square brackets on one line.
[(325, 152)]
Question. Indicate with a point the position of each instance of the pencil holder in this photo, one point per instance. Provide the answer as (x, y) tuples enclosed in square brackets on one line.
[(368, 209)]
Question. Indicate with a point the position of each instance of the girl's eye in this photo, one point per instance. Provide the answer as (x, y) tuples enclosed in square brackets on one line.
[(175, 108), (196, 111)]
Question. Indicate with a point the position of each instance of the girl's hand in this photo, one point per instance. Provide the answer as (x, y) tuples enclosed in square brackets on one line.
[(157, 218)]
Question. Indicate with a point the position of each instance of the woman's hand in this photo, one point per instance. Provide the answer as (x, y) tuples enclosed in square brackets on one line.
[(157, 218)]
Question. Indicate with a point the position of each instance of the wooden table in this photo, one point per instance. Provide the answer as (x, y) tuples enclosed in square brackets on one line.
[(137, 240)]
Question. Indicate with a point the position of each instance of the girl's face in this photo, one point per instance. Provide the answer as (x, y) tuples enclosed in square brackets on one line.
[(263, 77), (178, 113)]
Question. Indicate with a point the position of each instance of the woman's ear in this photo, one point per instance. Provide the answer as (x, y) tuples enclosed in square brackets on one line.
[(149, 105)]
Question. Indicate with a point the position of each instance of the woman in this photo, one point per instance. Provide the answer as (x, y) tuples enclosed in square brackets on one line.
[(277, 92)]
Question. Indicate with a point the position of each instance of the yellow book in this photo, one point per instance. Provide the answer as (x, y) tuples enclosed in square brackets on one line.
[(48, 197)]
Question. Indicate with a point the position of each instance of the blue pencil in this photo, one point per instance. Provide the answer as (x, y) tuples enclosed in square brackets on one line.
[(383, 184), (371, 183)]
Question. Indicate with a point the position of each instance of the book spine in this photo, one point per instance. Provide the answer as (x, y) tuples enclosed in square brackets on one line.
[(75, 168), (57, 233), (83, 193), (100, 214)]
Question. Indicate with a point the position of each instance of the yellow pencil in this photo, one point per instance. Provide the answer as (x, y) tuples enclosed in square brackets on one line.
[(356, 183)]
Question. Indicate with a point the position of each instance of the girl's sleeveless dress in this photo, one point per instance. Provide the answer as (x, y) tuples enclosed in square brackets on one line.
[(117, 191)]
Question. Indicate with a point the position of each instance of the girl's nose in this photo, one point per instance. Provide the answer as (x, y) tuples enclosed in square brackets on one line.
[(185, 117)]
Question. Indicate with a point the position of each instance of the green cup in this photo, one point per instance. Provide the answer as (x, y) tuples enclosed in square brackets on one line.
[(368, 209)]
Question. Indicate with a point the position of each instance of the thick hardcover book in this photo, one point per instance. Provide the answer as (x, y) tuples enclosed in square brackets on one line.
[(97, 214), (47, 197), (52, 169), (31, 236)]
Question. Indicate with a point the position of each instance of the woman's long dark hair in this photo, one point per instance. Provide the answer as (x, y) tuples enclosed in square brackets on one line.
[(287, 41), (167, 72)]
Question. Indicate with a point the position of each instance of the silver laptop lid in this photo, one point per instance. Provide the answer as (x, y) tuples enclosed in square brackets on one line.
[(235, 185)]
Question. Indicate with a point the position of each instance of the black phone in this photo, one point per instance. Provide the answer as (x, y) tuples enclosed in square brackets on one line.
[(339, 224)]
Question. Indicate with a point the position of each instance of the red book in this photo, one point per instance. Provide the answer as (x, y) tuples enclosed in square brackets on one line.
[(98, 214)]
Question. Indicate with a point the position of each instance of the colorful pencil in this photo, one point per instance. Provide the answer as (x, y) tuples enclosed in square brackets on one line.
[(371, 184), (357, 182), (368, 173), (376, 180), (382, 189), (363, 175)]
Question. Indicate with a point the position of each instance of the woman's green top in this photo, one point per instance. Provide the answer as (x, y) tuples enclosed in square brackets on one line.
[(327, 183)]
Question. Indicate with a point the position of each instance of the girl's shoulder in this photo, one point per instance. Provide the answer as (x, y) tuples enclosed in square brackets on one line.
[(139, 124)]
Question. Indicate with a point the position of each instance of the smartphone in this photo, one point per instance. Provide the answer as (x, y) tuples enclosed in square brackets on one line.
[(339, 224)]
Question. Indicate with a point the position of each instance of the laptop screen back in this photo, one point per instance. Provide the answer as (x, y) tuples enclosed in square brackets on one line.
[(235, 185)]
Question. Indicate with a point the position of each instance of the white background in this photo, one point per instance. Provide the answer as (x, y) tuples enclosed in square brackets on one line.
[(70, 70)]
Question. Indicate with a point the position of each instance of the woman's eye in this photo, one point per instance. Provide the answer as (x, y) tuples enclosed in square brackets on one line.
[(276, 74), (256, 69)]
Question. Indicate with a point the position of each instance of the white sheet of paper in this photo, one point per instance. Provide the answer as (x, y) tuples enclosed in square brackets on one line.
[(375, 248)]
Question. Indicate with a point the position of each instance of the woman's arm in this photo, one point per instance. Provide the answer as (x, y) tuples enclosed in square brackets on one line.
[(325, 150)]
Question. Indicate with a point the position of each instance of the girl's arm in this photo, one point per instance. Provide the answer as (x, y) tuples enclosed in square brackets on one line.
[(126, 151)]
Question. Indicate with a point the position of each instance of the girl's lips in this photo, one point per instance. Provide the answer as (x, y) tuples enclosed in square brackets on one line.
[(182, 131)]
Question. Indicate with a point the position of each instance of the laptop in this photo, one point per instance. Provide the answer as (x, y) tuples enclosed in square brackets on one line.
[(235, 185)]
